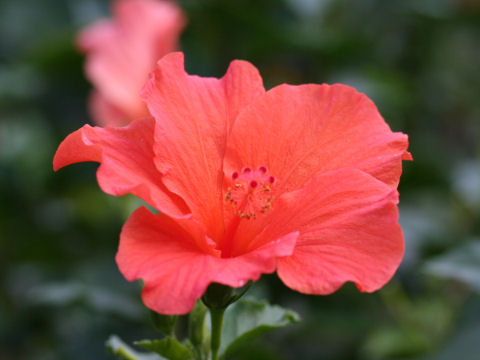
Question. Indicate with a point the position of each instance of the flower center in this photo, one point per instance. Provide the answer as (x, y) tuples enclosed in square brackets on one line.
[(250, 193)]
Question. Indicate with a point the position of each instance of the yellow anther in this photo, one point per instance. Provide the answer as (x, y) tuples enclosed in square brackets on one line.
[(250, 191)]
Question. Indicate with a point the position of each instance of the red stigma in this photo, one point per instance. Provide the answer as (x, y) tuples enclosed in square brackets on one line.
[(251, 192)]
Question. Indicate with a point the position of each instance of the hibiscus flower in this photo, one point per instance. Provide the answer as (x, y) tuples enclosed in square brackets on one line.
[(298, 179), (123, 51)]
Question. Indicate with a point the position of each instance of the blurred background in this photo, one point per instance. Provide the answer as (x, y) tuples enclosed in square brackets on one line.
[(61, 294)]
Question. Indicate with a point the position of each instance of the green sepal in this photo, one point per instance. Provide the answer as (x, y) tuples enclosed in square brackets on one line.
[(117, 347), (247, 319), (198, 334), (218, 296), (168, 347), (164, 323)]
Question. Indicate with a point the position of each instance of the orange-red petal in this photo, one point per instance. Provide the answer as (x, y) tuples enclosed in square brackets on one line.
[(122, 51), (175, 272), (348, 224), (193, 117), (126, 157), (298, 131)]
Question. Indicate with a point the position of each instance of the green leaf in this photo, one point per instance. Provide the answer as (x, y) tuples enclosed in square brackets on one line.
[(123, 351), (462, 264), (168, 347), (247, 319)]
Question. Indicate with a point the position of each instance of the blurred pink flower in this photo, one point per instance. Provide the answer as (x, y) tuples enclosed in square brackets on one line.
[(122, 51), (298, 179)]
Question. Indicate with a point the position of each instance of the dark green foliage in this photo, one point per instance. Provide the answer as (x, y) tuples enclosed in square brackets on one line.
[(60, 292)]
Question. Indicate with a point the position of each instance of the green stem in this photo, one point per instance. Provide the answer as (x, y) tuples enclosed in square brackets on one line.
[(216, 316)]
